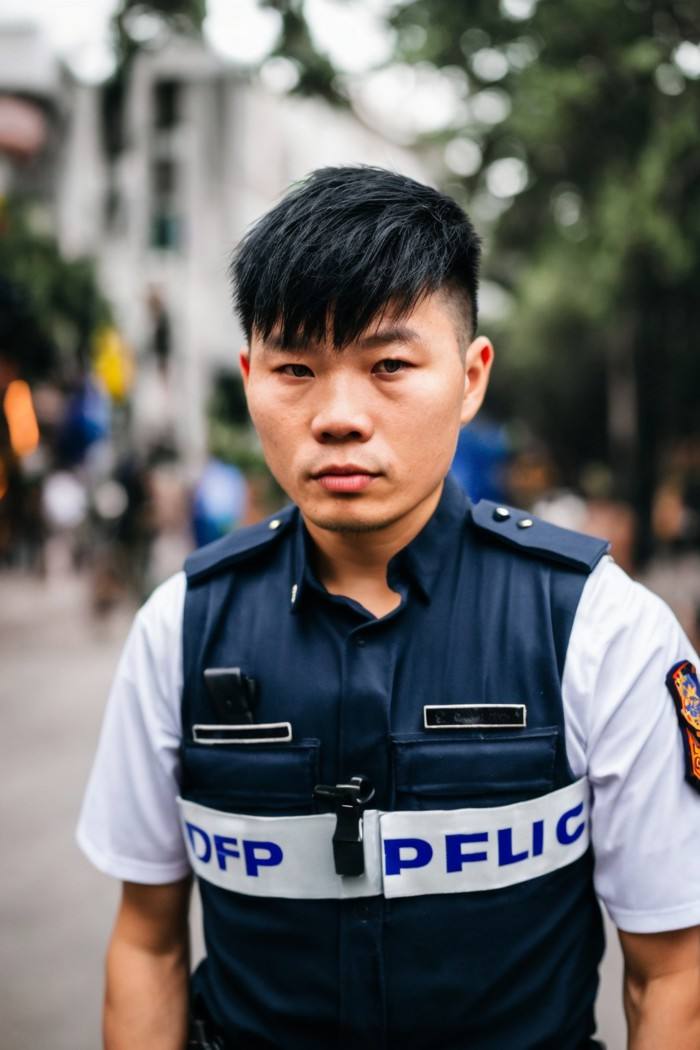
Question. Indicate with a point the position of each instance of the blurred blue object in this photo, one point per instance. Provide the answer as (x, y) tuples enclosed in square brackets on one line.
[(478, 465), (87, 421), (219, 501)]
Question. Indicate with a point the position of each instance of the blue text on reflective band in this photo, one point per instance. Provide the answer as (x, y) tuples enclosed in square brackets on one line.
[(272, 855), (565, 836), (395, 861), (198, 836), (453, 849), (506, 855), (225, 847), (537, 838), (512, 846), (256, 853)]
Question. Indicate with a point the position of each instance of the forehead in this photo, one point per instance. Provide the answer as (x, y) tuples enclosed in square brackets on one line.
[(434, 316)]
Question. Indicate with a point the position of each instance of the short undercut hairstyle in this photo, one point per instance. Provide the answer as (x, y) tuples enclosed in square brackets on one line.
[(345, 244)]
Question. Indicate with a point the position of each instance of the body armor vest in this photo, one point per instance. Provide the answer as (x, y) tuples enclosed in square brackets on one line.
[(501, 965)]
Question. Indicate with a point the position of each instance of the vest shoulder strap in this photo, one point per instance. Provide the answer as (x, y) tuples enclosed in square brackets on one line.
[(238, 546), (538, 538)]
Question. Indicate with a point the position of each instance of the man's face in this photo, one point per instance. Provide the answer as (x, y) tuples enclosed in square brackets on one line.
[(359, 438)]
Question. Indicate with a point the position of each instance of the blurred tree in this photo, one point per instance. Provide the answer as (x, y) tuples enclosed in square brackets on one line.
[(49, 306), (49, 310), (26, 348), (136, 26), (232, 439), (585, 115), (317, 75)]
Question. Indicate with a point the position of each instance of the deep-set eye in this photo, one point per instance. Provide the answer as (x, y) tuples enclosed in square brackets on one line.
[(390, 366), (296, 371)]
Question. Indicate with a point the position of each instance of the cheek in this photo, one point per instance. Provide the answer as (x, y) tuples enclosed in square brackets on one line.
[(276, 427), (428, 435), (432, 418), (264, 407), (258, 413), (265, 419)]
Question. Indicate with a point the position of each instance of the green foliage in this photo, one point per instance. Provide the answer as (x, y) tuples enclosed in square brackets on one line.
[(181, 16), (316, 74), (51, 305), (233, 439), (600, 252)]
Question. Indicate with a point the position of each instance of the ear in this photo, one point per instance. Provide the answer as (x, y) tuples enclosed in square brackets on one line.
[(244, 362), (477, 369)]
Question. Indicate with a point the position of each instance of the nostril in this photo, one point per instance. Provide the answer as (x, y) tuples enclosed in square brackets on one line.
[(344, 436), (336, 426)]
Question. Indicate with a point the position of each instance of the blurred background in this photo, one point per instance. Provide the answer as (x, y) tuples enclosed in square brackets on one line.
[(137, 142)]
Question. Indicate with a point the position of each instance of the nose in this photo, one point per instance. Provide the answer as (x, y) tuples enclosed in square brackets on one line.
[(342, 414)]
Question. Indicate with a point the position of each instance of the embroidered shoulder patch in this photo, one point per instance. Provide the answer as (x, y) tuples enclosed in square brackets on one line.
[(683, 685)]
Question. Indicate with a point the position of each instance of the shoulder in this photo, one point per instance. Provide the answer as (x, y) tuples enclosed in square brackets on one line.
[(240, 546), (154, 644), (621, 627), (624, 641), (163, 609), (516, 529), (613, 604)]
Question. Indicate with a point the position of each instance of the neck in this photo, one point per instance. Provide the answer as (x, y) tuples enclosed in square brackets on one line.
[(355, 563)]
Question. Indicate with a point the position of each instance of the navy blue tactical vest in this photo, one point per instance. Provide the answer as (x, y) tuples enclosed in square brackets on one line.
[(488, 602)]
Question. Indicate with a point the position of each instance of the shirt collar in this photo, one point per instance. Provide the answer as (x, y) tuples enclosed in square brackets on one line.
[(420, 561), (427, 552), (303, 576)]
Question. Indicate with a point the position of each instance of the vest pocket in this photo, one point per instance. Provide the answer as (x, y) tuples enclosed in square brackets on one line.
[(254, 779), (484, 770)]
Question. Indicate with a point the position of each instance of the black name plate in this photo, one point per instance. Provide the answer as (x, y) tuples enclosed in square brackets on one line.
[(475, 716)]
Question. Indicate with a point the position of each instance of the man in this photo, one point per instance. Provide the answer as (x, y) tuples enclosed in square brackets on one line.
[(409, 736)]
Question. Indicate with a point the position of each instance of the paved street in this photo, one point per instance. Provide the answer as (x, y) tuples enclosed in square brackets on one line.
[(55, 910)]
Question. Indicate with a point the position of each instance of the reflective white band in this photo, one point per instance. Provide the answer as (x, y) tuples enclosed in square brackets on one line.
[(276, 856), (484, 849), (407, 853)]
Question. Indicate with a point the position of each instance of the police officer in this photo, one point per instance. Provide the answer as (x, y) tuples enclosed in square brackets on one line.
[(403, 742)]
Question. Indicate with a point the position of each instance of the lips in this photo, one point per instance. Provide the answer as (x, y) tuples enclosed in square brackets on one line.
[(348, 477)]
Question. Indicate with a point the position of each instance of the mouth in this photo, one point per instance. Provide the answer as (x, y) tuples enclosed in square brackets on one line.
[(346, 478)]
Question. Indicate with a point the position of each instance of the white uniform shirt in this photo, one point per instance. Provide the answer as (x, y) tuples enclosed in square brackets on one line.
[(622, 732)]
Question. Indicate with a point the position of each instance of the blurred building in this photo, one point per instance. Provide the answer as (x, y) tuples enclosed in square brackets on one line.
[(32, 91), (203, 151)]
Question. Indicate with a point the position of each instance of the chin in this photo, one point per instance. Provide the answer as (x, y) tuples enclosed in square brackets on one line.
[(353, 527), (349, 518)]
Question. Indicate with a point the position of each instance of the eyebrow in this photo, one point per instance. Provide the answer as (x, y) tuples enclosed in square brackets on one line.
[(383, 337), (397, 334)]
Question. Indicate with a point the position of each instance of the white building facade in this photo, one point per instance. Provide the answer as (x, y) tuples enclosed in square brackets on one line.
[(205, 152)]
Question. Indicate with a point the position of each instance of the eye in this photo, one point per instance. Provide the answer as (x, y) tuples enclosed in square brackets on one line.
[(296, 371), (389, 366)]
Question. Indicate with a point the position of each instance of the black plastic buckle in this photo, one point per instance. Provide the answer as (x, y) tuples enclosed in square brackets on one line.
[(200, 1039), (349, 801)]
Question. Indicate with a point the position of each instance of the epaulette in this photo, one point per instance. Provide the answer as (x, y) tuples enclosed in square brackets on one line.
[(538, 538), (238, 546)]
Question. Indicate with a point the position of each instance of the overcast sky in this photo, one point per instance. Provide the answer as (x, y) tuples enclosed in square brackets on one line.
[(350, 31), (401, 101)]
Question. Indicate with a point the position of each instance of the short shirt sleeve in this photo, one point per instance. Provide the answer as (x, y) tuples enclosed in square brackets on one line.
[(622, 731), (129, 825)]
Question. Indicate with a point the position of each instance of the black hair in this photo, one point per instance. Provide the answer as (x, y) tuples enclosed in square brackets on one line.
[(345, 243)]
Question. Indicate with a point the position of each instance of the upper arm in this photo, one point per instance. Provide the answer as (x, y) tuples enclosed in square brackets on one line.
[(129, 824), (154, 918), (147, 968), (652, 955), (623, 734)]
